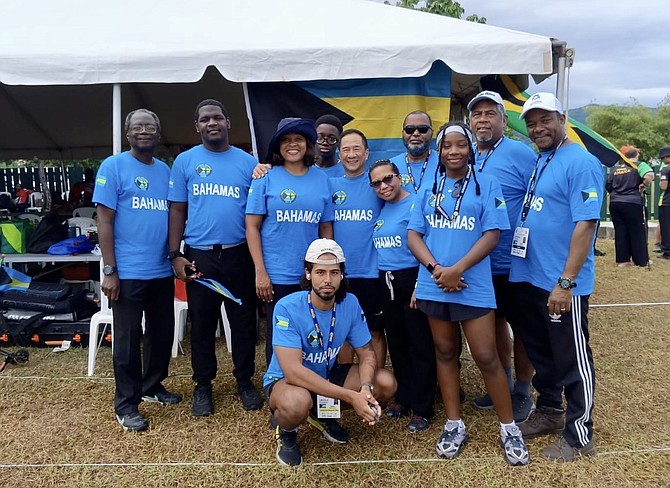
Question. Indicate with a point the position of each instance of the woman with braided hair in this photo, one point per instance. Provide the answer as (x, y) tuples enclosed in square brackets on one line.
[(453, 227)]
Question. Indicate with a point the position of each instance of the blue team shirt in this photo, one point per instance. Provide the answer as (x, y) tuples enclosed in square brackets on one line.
[(215, 185), (450, 241), (334, 171), (356, 210), (137, 193), (390, 236), (428, 176), (569, 190), (293, 327), (293, 207), (511, 164)]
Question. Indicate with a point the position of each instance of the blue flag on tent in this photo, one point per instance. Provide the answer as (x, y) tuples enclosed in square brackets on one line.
[(10, 279), (218, 288), (375, 106)]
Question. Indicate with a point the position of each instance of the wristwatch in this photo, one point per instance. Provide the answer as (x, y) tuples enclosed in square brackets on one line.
[(175, 254), (108, 270), (431, 267), (369, 385), (566, 283)]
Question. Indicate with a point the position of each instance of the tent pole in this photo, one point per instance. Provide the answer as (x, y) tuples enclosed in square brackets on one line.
[(116, 119), (247, 104), (559, 48)]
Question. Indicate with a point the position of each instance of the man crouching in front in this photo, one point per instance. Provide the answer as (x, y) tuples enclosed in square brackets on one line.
[(303, 381)]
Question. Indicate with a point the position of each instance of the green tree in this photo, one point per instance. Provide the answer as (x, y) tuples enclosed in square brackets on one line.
[(634, 124), (448, 8)]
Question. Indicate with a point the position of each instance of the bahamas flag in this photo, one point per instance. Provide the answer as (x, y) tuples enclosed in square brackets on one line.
[(10, 279), (375, 106), (590, 140), (218, 288)]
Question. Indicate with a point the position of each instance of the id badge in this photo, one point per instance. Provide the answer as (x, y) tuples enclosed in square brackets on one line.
[(520, 242), (327, 408)]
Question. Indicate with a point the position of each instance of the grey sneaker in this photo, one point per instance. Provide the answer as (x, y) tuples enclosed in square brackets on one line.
[(515, 451), (451, 441), (562, 452), (484, 402), (543, 421), (288, 452), (522, 407)]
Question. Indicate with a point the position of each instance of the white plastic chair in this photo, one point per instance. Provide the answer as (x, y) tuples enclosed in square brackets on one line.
[(28, 216), (104, 316), (89, 212), (36, 200), (83, 223), (180, 316)]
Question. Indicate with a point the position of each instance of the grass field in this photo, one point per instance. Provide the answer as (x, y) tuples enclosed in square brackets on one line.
[(59, 427)]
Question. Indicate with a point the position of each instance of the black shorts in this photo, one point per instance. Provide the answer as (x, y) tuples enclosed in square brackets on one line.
[(504, 296), (338, 374), (369, 294), (451, 312)]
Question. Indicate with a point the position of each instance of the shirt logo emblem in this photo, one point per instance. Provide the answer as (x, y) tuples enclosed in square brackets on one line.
[(339, 197), (203, 170), (378, 225), (313, 338), (142, 183), (287, 195)]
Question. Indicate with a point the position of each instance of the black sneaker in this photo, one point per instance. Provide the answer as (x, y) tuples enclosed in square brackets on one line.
[(162, 396), (522, 407), (330, 429), (396, 411), (202, 401), (132, 422), (288, 452), (251, 399)]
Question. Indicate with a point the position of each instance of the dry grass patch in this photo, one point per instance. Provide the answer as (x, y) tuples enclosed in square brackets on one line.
[(59, 426)]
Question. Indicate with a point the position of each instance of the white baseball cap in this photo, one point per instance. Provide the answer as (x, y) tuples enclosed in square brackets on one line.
[(320, 247), (543, 101), (486, 95)]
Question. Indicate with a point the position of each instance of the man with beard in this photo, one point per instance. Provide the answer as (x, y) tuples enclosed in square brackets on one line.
[(418, 165), (309, 329), (132, 187)]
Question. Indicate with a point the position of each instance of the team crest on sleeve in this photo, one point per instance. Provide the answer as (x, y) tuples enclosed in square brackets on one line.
[(203, 170), (287, 195), (281, 322), (339, 197), (142, 183), (313, 338), (378, 225), (590, 195), (101, 180), (405, 179), (500, 203)]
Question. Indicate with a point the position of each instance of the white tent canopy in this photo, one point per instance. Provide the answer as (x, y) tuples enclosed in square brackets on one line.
[(79, 42)]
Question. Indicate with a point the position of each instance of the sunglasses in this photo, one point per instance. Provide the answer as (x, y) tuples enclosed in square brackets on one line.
[(387, 180), (410, 129)]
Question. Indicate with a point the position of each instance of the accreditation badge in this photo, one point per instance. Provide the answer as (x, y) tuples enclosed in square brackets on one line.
[(520, 242), (327, 408)]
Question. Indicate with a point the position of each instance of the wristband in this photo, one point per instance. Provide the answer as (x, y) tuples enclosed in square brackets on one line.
[(431, 267), (172, 255)]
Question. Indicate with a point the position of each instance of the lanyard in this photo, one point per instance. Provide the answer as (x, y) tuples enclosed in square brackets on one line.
[(327, 351), (423, 171), (489, 153), (459, 199), (534, 178)]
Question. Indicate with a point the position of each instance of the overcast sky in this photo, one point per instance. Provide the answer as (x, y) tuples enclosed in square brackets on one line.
[(622, 47)]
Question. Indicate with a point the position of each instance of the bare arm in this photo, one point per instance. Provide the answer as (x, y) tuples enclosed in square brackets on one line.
[(176, 225), (109, 284), (326, 230), (581, 243), (253, 232)]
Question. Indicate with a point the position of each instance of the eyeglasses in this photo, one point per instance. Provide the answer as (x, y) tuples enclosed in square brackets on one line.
[(387, 180), (330, 140), (410, 129), (148, 128)]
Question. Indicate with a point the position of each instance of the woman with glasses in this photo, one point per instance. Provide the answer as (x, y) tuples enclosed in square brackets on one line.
[(286, 210), (408, 336), (453, 228), (328, 131)]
